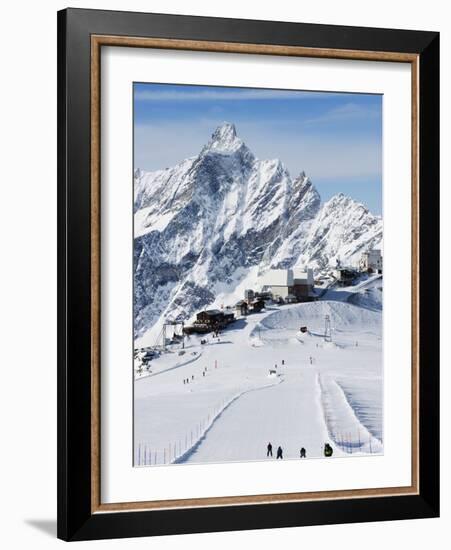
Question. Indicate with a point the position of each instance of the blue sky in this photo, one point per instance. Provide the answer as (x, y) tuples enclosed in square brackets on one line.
[(335, 138)]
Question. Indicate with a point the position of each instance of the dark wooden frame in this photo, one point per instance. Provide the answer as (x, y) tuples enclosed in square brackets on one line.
[(81, 34)]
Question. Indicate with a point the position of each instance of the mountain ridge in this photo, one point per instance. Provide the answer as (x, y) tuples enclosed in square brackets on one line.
[(212, 219)]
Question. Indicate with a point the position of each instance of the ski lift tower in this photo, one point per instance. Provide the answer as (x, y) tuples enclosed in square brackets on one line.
[(327, 329), (176, 327), (164, 336)]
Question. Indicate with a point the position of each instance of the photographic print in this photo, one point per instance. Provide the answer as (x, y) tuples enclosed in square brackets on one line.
[(258, 275), (223, 203)]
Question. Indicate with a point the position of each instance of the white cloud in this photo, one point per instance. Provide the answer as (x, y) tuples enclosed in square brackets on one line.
[(162, 145), (349, 111), (226, 94)]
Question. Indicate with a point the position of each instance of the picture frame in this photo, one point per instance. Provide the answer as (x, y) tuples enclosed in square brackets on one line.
[(81, 36)]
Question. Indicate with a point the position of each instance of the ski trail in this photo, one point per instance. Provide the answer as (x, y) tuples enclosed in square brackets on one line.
[(344, 427), (189, 452), (168, 369), (281, 414)]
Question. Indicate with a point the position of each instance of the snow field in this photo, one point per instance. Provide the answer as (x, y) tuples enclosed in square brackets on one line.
[(193, 449), (182, 448), (231, 413), (166, 364), (283, 414)]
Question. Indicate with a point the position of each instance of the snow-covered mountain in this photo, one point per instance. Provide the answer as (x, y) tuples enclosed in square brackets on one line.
[(215, 221)]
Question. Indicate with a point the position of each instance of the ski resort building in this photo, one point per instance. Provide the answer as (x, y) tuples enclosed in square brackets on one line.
[(289, 284), (249, 305), (241, 308), (371, 261), (210, 317), (208, 321), (214, 317), (256, 305), (263, 296), (249, 295), (345, 275)]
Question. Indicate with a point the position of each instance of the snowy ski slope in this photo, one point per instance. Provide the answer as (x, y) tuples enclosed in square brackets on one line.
[(325, 391)]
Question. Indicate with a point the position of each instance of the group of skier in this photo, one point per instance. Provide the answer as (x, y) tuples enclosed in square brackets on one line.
[(187, 380), (279, 451), (328, 451)]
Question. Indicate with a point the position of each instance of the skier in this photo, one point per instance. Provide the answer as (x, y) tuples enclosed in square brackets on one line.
[(279, 453), (269, 450), (283, 362), (302, 452), (328, 451)]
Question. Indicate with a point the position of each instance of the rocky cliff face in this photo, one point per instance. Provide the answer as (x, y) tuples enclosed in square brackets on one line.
[(204, 223)]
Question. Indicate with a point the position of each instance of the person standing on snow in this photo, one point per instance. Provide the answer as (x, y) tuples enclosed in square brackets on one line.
[(279, 453), (328, 451), (303, 453), (269, 449)]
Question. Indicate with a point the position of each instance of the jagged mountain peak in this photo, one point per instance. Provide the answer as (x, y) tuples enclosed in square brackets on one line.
[(225, 132), (224, 139), (303, 183), (338, 199), (206, 224), (303, 189), (301, 177), (342, 201)]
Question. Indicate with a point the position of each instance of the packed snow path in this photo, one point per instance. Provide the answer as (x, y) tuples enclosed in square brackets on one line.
[(287, 414)]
